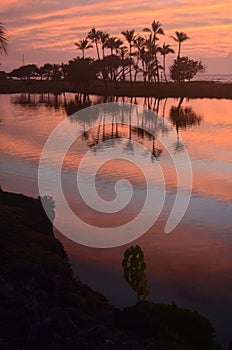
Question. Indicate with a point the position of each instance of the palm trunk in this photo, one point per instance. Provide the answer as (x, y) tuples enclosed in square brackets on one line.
[(164, 64), (123, 68), (178, 56), (130, 65), (137, 63), (144, 74), (156, 60), (98, 55)]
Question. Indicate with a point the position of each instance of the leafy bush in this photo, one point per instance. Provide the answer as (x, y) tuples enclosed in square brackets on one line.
[(185, 69)]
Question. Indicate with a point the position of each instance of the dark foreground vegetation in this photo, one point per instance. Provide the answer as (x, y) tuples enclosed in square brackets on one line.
[(42, 306), (194, 89)]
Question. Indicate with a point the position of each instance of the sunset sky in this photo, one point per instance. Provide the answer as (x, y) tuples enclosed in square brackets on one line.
[(45, 30)]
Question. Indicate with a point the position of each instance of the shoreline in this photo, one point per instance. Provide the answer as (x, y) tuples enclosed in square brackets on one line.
[(193, 89), (52, 307)]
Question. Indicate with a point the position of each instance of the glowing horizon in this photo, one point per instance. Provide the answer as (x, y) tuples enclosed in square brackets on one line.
[(46, 31)]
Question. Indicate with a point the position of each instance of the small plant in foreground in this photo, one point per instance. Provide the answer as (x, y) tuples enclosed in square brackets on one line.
[(134, 271)]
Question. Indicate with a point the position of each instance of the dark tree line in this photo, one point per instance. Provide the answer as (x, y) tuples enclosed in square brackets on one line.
[(46, 72), (117, 60)]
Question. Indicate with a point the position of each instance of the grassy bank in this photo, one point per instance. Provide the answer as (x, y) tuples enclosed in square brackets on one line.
[(137, 89), (42, 306)]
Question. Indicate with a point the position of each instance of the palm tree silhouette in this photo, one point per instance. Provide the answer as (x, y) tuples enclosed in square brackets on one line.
[(129, 36), (144, 57), (180, 38), (3, 40), (83, 45), (165, 50), (94, 36), (156, 30), (183, 117), (113, 43), (122, 52), (103, 39), (139, 43)]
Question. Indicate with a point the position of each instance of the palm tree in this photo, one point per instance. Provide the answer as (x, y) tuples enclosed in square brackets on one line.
[(144, 57), (139, 43), (94, 36), (165, 50), (151, 59), (83, 45), (152, 70), (110, 44), (156, 30), (122, 51), (103, 39), (179, 38), (113, 44), (129, 36), (3, 39)]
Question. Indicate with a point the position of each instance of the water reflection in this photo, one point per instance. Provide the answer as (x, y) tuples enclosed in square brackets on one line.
[(192, 266), (203, 125), (180, 117)]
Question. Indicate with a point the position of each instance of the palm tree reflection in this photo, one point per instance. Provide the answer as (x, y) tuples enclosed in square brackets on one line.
[(183, 117), (126, 121)]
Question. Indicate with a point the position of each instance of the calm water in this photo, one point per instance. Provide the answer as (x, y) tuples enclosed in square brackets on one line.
[(192, 265), (223, 78)]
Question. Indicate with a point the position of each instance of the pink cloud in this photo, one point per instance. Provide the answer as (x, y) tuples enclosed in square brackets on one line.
[(55, 25)]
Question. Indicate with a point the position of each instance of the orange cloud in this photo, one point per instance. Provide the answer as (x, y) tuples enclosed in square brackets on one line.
[(56, 26)]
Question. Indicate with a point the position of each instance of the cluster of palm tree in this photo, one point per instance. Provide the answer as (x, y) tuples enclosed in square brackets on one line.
[(140, 54)]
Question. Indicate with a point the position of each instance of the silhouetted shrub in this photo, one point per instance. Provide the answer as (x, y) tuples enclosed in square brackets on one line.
[(185, 69), (82, 71)]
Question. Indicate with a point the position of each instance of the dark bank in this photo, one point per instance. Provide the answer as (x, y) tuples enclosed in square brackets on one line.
[(44, 306)]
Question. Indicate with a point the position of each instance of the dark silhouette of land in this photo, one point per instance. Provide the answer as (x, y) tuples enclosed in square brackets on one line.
[(44, 307), (192, 89)]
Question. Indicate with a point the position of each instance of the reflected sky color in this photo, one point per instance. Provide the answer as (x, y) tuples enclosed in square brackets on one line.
[(193, 265), (45, 31), (209, 144)]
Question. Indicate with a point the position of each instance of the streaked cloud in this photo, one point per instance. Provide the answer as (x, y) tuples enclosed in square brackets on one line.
[(46, 30)]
